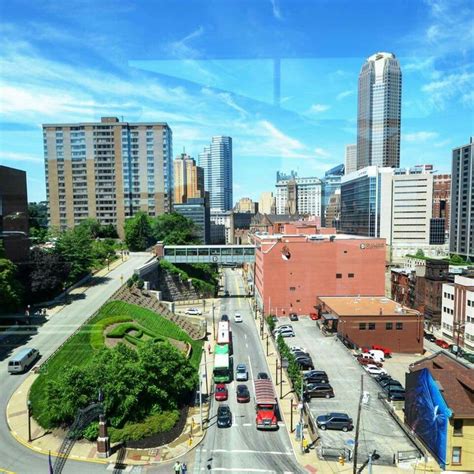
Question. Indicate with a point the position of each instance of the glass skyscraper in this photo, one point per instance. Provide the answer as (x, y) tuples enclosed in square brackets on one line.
[(216, 160), (379, 112)]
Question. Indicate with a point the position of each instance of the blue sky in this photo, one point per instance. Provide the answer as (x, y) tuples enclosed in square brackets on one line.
[(207, 68)]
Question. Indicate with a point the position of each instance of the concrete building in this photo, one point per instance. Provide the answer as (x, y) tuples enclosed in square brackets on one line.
[(216, 160), (364, 321), (14, 214), (266, 203), (188, 179), (442, 198), (350, 160), (197, 209), (457, 313), (461, 238), (439, 408), (379, 112), (294, 195), (245, 204), (295, 267), (332, 213), (108, 170), (330, 184)]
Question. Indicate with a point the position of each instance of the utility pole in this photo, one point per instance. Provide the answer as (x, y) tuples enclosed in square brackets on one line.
[(301, 416), (213, 321), (200, 397), (359, 409), (205, 370)]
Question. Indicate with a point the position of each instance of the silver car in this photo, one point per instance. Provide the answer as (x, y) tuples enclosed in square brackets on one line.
[(241, 373)]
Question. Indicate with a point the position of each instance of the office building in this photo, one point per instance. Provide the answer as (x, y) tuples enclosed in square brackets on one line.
[(332, 213), (330, 184), (461, 231), (296, 195), (379, 112), (294, 267), (364, 321), (442, 198), (108, 170), (197, 209), (188, 179), (14, 214), (245, 204), (350, 159), (266, 203), (216, 160)]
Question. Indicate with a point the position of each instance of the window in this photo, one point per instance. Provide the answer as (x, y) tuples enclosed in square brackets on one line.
[(456, 457), (292, 288), (338, 275), (457, 428), (362, 326), (399, 326), (371, 326), (388, 326), (350, 275)]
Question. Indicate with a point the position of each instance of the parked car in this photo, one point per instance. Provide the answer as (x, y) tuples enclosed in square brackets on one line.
[(396, 395), (313, 316), (293, 317), (442, 344), (262, 376), (283, 327), (374, 370), (335, 421), (224, 416), (468, 356), (430, 337), (237, 317), (382, 378), (300, 354), (224, 317), (241, 373), (318, 390), (23, 360), (298, 348), (386, 351), (193, 311), (286, 333), (305, 363), (315, 376), (221, 392), (243, 394), (368, 361), (390, 385)]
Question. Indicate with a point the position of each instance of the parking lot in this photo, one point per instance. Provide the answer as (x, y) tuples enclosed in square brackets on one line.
[(377, 428)]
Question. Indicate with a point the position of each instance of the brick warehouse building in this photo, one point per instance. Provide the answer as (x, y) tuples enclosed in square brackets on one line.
[(367, 321), (292, 269)]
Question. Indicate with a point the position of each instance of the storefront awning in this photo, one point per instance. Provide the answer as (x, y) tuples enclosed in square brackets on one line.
[(329, 316)]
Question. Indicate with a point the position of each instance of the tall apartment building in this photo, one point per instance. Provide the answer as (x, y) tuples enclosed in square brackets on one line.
[(266, 203), (108, 170), (379, 112), (188, 179), (216, 160), (350, 159), (296, 195), (461, 239)]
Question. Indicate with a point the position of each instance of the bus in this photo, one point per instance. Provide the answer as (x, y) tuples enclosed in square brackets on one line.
[(222, 368), (224, 335)]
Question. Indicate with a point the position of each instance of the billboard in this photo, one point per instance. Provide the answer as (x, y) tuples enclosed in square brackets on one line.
[(427, 413)]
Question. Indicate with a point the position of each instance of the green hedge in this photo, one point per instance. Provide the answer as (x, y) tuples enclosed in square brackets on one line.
[(294, 372), (97, 337)]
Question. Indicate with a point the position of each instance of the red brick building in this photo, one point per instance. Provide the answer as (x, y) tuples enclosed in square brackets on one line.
[(442, 198), (292, 269), (368, 321)]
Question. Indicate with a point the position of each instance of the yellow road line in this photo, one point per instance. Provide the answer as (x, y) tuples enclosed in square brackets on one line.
[(5, 471)]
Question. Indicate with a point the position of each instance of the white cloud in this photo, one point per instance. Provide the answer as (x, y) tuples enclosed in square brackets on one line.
[(181, 48), (442, 143), (318, 108), (276, 10), (226, 98), (448, 87), (421, 136), (20, 157), (468, 99), (344, 94), (321, 152), (419, 65)]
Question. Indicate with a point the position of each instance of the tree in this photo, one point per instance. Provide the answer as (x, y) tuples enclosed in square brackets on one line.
[(420, 253), (38, 215), (11, 291), (48, 272), (75, 248), (174, 229), (138, 235), (456, 259), (92, 226)]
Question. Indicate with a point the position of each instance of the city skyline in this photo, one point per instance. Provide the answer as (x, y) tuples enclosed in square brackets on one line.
[(203, 87)]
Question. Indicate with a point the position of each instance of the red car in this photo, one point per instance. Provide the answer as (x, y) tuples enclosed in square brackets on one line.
[(366, 361), (221, 394), (313, 316), (386, 351), (441, 343)]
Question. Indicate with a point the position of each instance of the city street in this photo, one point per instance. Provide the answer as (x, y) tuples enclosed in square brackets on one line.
[(13, 456), (242, 448)]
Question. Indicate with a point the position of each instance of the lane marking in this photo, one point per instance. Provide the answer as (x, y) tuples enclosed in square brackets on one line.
[(250, 367), (251, 451), (239, 469), (247, 424)]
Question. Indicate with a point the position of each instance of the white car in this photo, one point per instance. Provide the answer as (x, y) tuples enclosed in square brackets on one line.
[(374, 370), (237, 317), (193, 311), (286, 333), (285, 327), (298, 349)]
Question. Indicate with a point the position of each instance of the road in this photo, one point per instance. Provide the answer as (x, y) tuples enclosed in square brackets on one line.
[(241, 448), (13, 456)]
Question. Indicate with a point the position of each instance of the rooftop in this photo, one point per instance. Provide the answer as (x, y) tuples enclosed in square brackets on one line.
[(315, 237), (455, 380), (365, 306)]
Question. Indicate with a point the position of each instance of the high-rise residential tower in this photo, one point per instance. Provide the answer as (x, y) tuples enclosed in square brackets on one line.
[(461, 231), (350, 159), (379, 112), (188, 179), (216, 160), (108, 170)]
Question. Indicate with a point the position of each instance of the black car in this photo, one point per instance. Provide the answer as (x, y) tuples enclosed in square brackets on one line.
[(430, 337), (396, 395), (335, 421), (316, 377), (305, 363), (262, 376), (390, 384), (224, 317), (224, 416), (383, 377), (300, 354), (293, 317), (318, 390), (243, 394)]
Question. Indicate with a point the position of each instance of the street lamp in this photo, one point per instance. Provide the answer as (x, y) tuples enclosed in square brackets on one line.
[(28, 405)]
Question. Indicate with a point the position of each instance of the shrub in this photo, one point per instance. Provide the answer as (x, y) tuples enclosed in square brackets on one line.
[(97, 329), (129, 283), (91, 433), (270, 322), (140, 284)]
